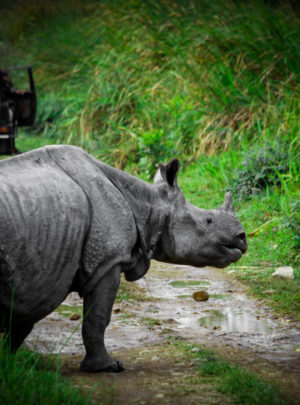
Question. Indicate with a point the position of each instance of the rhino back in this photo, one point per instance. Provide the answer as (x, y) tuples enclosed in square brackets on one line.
[(44, 217)]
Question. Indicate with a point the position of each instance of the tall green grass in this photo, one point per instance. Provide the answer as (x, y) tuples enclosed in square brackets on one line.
[(140, 82), (28, 378)]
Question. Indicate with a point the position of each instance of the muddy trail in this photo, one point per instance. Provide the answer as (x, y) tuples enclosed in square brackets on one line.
[(240, 329)]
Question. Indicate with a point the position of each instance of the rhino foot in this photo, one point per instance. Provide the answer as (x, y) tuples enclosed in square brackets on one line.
[(109, 364)]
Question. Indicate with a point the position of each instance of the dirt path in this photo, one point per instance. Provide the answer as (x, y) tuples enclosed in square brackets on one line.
[(240, 329)]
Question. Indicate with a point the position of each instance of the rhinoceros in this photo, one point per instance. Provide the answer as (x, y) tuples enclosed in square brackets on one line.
[(69, 222)]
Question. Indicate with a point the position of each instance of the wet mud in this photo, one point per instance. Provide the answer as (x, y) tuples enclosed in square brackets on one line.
[(227, 318), (240, 329)]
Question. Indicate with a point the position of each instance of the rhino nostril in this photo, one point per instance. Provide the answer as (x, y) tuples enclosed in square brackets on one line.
[(242, 236)]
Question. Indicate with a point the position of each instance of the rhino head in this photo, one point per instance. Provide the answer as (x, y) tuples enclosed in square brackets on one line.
[(196, 236)]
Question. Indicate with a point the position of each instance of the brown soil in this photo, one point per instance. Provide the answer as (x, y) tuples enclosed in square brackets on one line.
[(162, 374), (157, 374)]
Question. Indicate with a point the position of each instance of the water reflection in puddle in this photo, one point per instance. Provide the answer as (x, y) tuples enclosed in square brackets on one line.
[(232, 321)]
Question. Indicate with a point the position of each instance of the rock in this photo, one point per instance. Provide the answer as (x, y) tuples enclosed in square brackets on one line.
[(172, 321), (159, 396), (200, 296), (284, 272), (75, 317), (269, 291), (195, 350), (231, 271)]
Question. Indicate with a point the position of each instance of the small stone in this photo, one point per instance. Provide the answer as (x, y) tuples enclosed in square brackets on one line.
[(159, 396), (195, 350), (231, 271), (75, 317), (269, 291), (284, 272), (200, 296), (172, 321)]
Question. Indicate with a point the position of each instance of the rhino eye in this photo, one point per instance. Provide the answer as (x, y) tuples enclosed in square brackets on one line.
[(209, 220)]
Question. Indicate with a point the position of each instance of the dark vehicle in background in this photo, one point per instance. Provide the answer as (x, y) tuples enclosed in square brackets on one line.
[(17, 108)]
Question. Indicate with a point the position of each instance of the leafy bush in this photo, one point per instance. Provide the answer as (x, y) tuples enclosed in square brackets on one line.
[(263, 168)]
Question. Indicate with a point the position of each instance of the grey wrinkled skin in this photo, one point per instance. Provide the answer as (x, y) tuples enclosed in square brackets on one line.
[(69, 222)]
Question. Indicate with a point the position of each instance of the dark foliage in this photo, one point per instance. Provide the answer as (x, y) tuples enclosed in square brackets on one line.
[(263, 168)]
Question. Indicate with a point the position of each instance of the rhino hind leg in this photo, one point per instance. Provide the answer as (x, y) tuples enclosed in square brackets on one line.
[(97, 312)]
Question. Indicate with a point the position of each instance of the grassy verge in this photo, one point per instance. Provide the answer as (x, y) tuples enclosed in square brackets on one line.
[(28, 378), (244, 386)]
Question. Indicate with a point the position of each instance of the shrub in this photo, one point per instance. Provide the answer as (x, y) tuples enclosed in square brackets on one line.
[(263, 167)]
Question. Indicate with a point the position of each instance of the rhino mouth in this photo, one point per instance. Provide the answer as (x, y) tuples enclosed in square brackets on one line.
[(233, 251)]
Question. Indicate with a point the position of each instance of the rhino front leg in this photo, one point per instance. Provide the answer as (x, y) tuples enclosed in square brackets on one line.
[(97, 312), (15, 334)]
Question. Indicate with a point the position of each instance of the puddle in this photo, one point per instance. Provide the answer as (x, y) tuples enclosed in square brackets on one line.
[(228, 318)]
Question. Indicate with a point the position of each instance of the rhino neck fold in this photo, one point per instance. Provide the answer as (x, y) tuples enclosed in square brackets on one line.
[(148, 209)]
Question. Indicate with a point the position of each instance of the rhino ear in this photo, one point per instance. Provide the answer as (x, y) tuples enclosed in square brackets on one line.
[(227, 205), (172, 170), (168, 172)]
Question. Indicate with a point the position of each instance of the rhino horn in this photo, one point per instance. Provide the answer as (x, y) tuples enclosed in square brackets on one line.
[(227, 205)]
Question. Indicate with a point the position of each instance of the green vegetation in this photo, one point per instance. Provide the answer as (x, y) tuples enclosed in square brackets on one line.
[(131, 291), (284, 295), (183, 283), (150, 321), (68, 310), (28, 378), (213, 83), (138, 84), (244, 386), (125, 292)]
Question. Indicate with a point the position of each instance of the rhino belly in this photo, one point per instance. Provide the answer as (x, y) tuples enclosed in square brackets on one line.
[(44, 217)]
